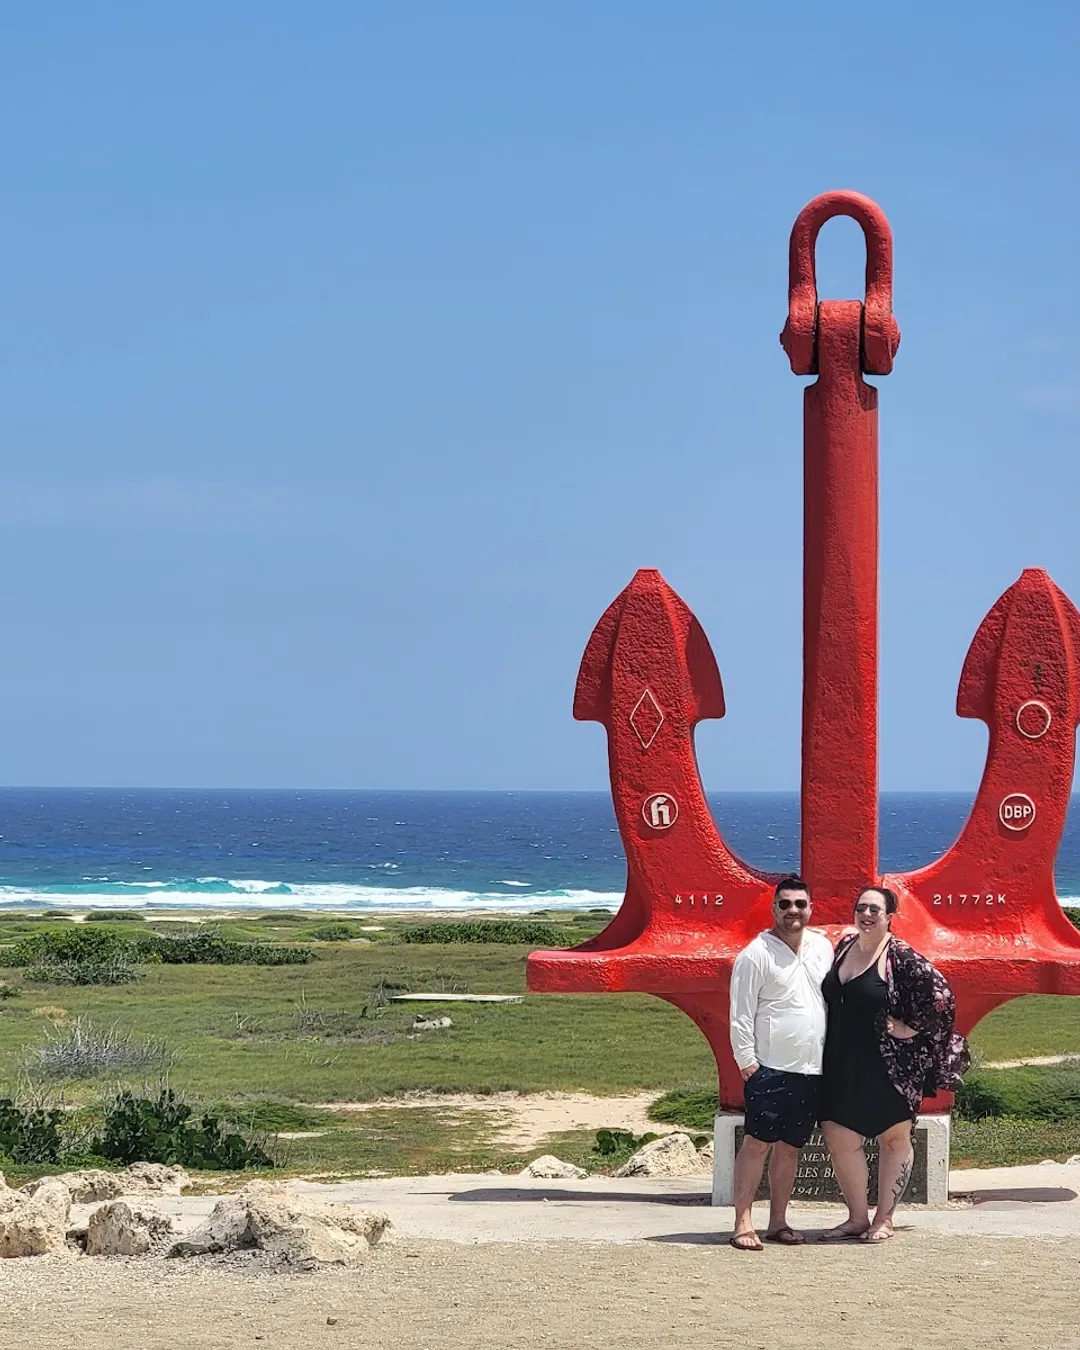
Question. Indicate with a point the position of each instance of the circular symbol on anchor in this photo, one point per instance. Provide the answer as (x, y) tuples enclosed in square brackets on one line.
[(1033, 719), (1017, 811), (660, 811)]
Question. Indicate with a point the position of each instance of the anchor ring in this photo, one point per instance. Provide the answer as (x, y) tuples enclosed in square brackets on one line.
[(880, 334)]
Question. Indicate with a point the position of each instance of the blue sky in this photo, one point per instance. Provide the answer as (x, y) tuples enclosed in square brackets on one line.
[(353, 356)]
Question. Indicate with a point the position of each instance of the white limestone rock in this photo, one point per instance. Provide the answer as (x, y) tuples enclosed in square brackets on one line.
[(146, 1178), (551, 1168), (120, 1229), (34, 1225), (85, 1187), (296, 1230), (672, 1155), (226, 1230)]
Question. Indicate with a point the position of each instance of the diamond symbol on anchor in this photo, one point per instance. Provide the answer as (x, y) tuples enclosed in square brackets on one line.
[(647, 719)]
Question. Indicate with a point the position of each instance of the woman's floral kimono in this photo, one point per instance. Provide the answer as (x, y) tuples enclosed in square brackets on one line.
[(919, 996)]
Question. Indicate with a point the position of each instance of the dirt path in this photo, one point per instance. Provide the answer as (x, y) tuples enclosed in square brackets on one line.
[(920, 1291), (1037, 1060), (525, 1120)]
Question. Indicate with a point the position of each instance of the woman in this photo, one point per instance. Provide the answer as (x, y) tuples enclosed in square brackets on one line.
[(890, 1042)]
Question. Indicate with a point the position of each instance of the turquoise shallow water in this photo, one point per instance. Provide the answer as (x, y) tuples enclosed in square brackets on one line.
[(84, 848)]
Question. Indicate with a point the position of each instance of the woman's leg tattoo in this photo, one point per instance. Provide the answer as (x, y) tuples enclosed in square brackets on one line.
[(900, 1185)]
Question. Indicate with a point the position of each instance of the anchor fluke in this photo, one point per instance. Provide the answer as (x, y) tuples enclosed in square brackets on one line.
[(646, 618), (1031, 640), (994, 889)]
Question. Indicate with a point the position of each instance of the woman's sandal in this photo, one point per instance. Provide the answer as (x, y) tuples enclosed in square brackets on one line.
[(843, 1233), (746, 1242), (786, 1236)]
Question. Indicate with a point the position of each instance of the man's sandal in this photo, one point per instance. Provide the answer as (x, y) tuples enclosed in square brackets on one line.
[(787, 1237), (746, 1242)]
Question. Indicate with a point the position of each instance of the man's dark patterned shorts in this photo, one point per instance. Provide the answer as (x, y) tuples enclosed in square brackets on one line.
[(781, 1106)]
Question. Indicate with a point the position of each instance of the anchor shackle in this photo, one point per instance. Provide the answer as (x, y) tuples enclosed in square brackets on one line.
[(880, 334)]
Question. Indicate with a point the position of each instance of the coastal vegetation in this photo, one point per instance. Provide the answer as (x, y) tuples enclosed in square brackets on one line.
[(125, 1128), (514, 931), (285, 1052)]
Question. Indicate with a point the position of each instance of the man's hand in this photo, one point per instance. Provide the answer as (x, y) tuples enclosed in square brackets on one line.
[(899, 1029), (752, 1069)]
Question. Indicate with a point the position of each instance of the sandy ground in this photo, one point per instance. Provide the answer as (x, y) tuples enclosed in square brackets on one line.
[(484, 1262), (1040, 1202), (524, 1121), (928, 1292)]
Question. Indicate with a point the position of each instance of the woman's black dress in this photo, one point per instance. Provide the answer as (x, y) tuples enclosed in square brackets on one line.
[(856, 1089)]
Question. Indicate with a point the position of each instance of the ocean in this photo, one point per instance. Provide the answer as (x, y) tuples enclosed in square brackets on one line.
[(79, 849)]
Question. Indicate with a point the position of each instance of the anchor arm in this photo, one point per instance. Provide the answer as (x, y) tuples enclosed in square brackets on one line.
[(994, 888), (649, 675)]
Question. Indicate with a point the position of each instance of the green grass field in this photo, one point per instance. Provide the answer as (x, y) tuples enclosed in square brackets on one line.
[(323, 1033)]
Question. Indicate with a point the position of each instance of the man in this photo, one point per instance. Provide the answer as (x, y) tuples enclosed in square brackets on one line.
[(777, 1035)]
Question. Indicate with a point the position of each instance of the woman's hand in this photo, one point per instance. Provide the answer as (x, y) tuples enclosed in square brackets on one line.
[(899, 1029)]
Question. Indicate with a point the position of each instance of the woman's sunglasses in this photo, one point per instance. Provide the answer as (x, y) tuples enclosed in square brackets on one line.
[(787, 904)]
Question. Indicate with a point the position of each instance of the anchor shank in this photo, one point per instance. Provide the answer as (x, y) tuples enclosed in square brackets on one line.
[(840, 596)]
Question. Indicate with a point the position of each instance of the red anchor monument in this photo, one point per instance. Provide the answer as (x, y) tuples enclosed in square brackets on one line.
[(986, 912)]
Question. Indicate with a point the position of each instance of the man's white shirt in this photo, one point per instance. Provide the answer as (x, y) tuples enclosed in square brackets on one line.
[(777, 1008)]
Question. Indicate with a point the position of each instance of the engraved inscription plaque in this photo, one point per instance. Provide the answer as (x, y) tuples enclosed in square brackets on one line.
[(816, 1180)]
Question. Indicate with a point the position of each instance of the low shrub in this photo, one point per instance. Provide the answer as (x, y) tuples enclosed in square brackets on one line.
[(332, 932), (75, 945), (489, 930), (165, 1129), (8, 991), (1035, 1092), (207, 947), (116, 971), (1073, 916), (609, 1142), (82, 1050), (83, 955), (692, 1107), (114, 916), (30, 1134)]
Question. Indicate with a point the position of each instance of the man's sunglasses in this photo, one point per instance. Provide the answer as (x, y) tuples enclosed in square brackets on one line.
[(869, 909), (787, 904)]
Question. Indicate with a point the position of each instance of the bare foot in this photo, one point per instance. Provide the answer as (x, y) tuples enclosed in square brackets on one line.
[(880, 1232), (747, 1241), (846, 1231)]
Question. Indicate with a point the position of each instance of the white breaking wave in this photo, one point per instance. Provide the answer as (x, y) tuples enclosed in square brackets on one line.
[(269, 895), (240, 893)]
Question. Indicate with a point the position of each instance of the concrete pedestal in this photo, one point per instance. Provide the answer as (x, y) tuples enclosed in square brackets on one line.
[(817, 1181)]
